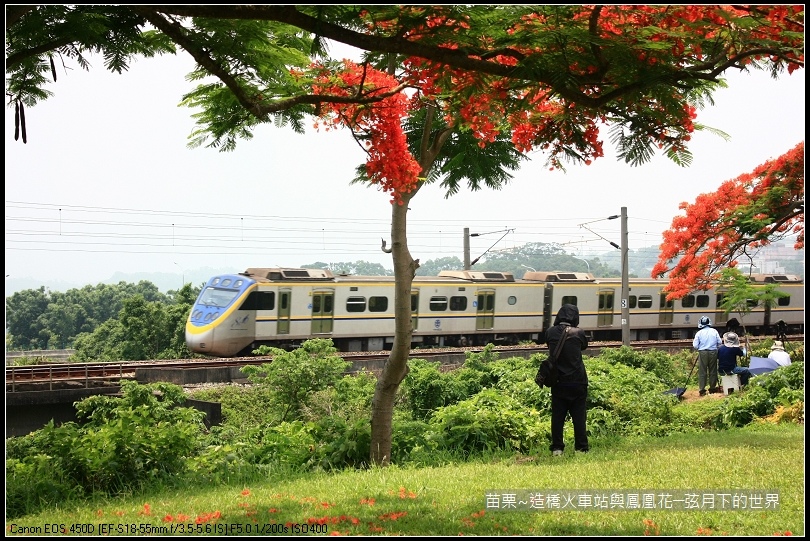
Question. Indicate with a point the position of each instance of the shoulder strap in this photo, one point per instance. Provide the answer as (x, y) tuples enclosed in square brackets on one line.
[(563, 338)]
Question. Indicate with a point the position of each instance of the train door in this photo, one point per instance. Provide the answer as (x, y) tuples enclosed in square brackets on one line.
[(323, 311), (284, 299), (485, 310), (720, 317), (415, 308), (666, 310), (604, 316)]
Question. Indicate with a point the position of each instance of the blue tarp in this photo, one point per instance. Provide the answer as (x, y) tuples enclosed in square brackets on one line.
[(760, 365)]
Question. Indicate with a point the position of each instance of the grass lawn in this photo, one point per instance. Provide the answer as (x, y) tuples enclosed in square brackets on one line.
[(760, 459)]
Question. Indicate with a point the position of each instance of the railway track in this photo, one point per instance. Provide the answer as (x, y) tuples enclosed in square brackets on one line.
[(55, 376)]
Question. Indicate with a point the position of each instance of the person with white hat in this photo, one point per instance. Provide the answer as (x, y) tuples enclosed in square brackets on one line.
[(707, 341), (779, 354), (727, 358)]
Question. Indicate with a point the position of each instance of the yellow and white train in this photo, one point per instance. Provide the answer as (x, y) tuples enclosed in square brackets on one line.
[(283, 307)]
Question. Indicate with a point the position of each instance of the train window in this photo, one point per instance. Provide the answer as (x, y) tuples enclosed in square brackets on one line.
[(633, 301), (226, 282), (702, 301), (215, 281), (356, 304), (645, 301), (458, 303), (218, 297), (751, 303), (569, 299), (259, 300), (238, 283), (438, 304), (663, 302), (377, 304), (688, 301), (250, 302), (511, 300), (783, 301), (266, 300)]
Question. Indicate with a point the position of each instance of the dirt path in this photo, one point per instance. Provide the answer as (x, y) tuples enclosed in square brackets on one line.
[(693, 394)]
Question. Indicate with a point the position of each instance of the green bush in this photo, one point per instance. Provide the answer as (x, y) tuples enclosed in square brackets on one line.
[(341, 444), (35, 480), (293, 376), (414, 441), (763, 394), (119, 444), (612, 383), (242, 406), (426, 388), (489, 420)]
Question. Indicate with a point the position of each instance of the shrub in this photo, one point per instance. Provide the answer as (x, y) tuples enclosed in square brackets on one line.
[(612, 383), (121, 443), (783, 387), (415, 442), (350, 399), (426, 388), (664, 366), (242, 406), (489, 420), (34, 479), (341, 444), (293, 376)]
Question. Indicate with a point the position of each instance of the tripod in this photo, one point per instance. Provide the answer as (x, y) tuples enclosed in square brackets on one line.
[(781, 334)]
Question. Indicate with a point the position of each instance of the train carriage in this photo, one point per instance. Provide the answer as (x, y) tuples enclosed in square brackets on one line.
[(653, 317)]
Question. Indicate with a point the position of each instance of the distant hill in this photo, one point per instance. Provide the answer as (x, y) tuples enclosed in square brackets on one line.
[(165, 281)]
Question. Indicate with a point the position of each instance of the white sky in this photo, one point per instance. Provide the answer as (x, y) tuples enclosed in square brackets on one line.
[(106, 183)]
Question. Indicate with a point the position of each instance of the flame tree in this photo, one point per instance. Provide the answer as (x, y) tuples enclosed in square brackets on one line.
[(743, 215), (448, 94)]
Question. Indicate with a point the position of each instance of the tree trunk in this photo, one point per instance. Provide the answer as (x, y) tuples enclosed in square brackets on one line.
[(396, 368)]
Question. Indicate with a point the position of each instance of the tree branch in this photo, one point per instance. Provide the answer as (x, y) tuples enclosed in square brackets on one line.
[(260, 109)]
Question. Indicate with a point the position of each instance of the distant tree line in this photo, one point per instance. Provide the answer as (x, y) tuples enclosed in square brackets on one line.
[(538, 256), (102, 322)]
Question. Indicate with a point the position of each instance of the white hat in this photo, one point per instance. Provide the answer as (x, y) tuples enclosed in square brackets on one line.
[(704, 322), (731, 340), (777, 344)]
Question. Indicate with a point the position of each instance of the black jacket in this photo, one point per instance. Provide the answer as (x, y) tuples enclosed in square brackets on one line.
[(570, 367)]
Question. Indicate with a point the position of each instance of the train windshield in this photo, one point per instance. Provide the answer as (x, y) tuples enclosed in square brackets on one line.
[(213, 296)]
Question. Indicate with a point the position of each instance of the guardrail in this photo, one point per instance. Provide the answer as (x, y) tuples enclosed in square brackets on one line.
[(59, 376), (52, 354)]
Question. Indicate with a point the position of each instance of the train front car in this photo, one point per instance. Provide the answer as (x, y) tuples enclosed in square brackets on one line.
[(217, 325)]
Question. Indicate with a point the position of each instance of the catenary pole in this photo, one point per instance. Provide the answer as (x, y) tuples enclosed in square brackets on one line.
[(625, 283)]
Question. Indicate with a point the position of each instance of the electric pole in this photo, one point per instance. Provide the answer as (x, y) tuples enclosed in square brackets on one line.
[(466, 248), (625, 283)]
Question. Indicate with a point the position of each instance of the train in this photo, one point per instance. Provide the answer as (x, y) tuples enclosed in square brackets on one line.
[(283, 307)]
